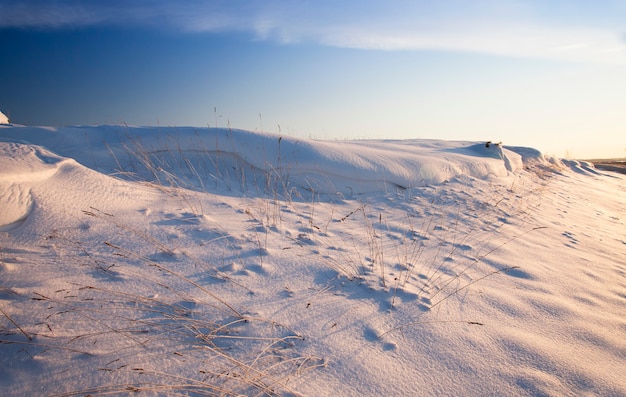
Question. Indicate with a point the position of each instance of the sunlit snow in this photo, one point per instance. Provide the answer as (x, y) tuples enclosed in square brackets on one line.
[(197, 261)]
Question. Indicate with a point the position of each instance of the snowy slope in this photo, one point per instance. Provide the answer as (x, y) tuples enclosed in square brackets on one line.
[(223, 262)]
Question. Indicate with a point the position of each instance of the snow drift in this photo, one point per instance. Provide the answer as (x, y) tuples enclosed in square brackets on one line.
[(224, 262), (346, 167)]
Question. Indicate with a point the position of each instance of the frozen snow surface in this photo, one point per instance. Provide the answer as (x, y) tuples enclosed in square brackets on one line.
[(187, 261)]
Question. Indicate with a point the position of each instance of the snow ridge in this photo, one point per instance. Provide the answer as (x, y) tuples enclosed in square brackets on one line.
[(224, 262), (329, 167)]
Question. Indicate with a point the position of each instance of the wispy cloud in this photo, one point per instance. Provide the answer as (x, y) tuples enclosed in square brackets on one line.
[(519, 28)]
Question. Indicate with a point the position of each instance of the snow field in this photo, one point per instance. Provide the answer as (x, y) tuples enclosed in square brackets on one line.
[(225, 262)]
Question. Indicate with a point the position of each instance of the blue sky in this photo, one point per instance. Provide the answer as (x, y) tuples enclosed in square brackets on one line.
[(546, 74)]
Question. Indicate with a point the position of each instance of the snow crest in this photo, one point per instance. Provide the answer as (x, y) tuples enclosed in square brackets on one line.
[(22, 166), (247, 160)]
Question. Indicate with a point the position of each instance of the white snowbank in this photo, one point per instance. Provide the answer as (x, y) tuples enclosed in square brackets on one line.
[(22, 165), (193, 261), (346, 167), (3, 119)]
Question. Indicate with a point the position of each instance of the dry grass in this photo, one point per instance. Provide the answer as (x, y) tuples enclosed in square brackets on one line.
[(187, 323), (173, 334)]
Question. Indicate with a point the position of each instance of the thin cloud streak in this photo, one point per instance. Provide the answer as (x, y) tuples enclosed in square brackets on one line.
[(482, 28), (71, 14)]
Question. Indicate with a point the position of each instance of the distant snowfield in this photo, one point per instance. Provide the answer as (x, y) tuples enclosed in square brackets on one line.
[(224, 262)]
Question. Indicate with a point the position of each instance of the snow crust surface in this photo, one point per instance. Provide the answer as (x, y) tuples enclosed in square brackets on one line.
[(224, 262)]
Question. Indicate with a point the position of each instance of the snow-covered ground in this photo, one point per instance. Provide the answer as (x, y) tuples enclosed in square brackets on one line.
[(184, 261)]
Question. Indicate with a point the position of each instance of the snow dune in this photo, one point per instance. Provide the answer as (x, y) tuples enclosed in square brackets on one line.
[(324, 166), (222, 262), (22, 165)]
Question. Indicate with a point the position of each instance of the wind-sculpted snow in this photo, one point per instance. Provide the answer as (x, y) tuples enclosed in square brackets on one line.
[(244, 158), (21, 166), (189, 261)]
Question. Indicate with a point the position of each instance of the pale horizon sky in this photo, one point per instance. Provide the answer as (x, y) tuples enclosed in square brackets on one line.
[(544, 74)]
